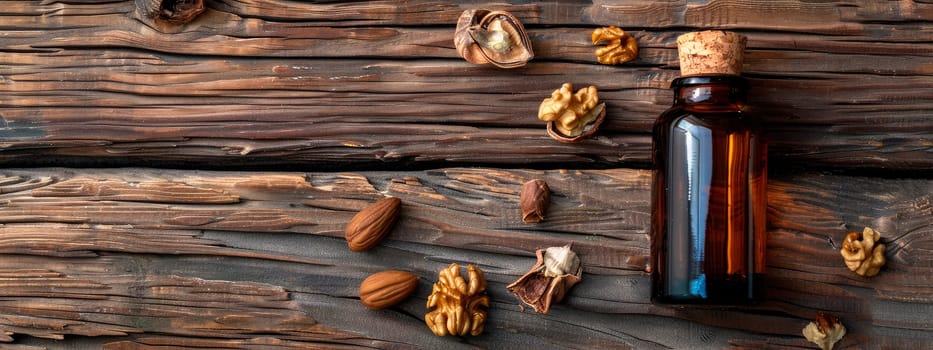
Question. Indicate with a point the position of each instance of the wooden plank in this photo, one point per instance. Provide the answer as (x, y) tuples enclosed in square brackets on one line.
[(139, 269), (88, 82)]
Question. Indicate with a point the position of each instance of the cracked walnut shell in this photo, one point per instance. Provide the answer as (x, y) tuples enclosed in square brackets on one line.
[(457, 302), (618, 46), (495, 37), (558, 269), (865, 256), (572, 116)]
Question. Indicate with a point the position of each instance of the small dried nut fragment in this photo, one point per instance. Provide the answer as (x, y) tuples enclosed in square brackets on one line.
[(535, 198), (620, 47), (572, 116), (495, 37), (825, 332), (865, 256), (458, 303), (384, 289), (558, 269), (368, 227)]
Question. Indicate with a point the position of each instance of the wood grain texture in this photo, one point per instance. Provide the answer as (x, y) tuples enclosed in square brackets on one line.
[(842, 84), (128, 268), (370, 99)]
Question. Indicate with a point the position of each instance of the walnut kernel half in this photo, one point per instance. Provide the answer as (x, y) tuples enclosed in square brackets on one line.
[(572, 116), (864, 254), (620, 47), (825, 331), (457, 302)]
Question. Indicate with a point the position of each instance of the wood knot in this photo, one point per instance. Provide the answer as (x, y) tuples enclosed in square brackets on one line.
[(172, 12)]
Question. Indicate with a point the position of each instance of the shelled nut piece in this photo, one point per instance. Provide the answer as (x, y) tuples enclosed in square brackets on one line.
[(535, 198), (458, 303), (495, 37), (368, 227), (572, 116), (558, 269), (616, 46), (384, 289), (865, 256), (825, 331)]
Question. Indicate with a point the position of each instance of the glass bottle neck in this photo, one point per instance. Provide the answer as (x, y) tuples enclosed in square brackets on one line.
[(714, 93)]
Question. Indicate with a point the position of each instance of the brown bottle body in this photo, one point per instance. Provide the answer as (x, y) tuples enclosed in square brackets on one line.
[(709, 195)]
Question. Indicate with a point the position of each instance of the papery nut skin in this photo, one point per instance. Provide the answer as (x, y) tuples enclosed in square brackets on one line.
[(368, 227), (560, 261), (387, 288), (535, 199)]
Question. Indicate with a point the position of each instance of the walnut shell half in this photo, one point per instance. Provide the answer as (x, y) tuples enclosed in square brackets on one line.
[(557, 270), (495, 37)]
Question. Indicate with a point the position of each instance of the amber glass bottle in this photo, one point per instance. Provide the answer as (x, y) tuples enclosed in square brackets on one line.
[(709, 185)]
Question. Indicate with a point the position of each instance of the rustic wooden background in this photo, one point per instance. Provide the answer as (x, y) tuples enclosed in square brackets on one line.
[(186, 185)]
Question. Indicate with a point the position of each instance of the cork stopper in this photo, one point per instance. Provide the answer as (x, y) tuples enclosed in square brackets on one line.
[(711, 52)]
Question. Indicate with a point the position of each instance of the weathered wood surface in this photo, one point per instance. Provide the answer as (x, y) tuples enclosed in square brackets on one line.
[(133, 258), (141, 258), (842, 84)]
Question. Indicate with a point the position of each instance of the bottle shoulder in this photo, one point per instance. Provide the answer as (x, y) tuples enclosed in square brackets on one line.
[(711, 119)]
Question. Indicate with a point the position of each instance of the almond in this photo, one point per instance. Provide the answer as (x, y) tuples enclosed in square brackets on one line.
[(368, 227), (384, 289)]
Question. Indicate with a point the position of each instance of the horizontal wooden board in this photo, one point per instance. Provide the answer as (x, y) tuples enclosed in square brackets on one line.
[(841, 85), (135, 258)]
